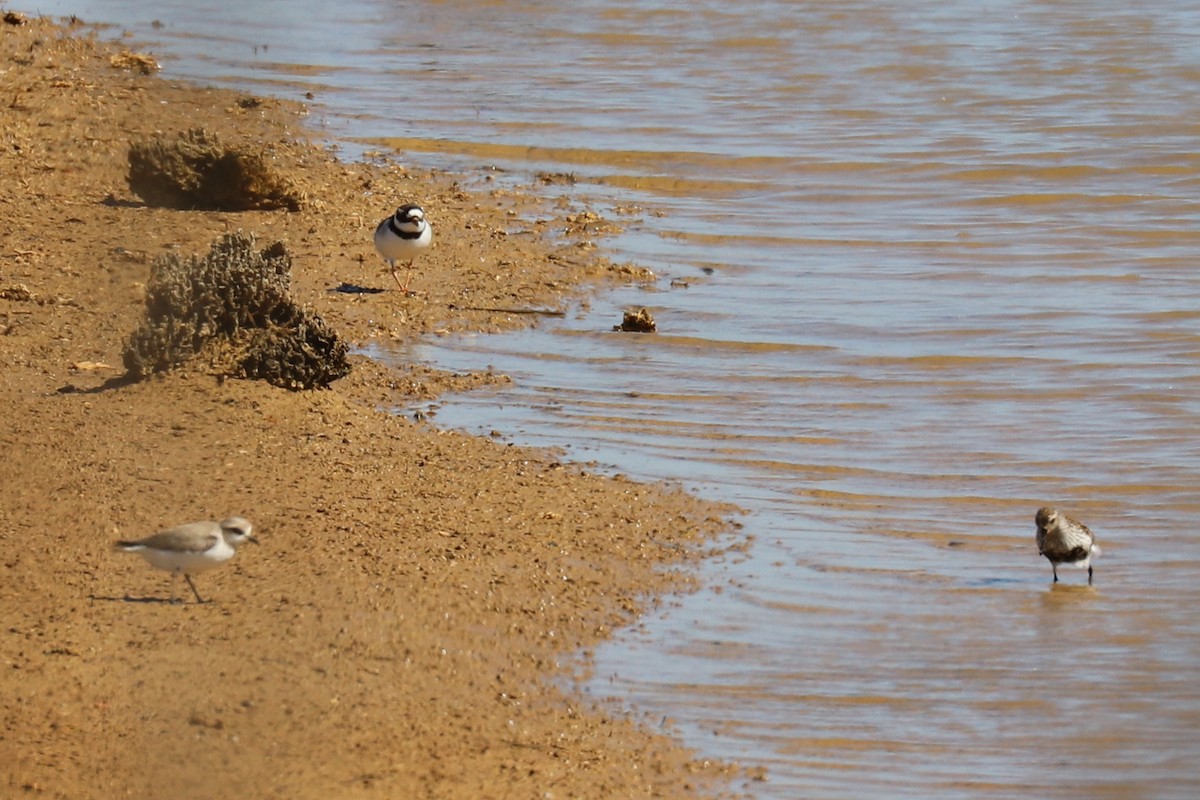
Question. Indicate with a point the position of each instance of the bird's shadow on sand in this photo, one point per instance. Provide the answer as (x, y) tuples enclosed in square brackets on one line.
[(990, 582), (353, 288)]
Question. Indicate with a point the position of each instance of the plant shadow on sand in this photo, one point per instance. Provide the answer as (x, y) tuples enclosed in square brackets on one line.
[(167, 601)]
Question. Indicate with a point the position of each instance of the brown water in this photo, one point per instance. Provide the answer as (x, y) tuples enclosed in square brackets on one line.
[(940, 270)]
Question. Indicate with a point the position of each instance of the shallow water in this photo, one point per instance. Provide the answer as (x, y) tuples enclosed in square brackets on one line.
[(921, 271)]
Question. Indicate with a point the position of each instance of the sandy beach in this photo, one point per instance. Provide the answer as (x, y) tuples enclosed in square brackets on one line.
[(410, 624)]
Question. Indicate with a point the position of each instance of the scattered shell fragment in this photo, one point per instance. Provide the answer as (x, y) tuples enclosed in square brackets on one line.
[(632, 272), (127, 59), (18, 292)]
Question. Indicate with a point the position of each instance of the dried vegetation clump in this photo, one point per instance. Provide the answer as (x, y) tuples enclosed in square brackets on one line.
[(233, 307), (195, 170), (637, 321)]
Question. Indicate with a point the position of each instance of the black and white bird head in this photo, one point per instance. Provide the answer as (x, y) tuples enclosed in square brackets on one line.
[(409, 218)]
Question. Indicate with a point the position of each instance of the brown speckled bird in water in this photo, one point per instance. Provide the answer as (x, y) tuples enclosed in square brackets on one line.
[(1064, 541)]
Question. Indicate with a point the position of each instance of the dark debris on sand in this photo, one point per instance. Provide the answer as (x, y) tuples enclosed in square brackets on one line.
[(232, 306), (637, 321)]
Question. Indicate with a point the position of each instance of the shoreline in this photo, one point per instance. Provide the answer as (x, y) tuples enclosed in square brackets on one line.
[(419, 595)]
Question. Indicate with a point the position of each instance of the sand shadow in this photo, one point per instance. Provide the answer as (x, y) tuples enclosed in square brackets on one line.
[(166, 601), (112, 201), (116, 382), (353, 288)]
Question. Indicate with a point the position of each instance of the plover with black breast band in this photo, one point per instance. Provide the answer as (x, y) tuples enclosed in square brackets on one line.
[(191, 548), (1063, 540), (402, 237)]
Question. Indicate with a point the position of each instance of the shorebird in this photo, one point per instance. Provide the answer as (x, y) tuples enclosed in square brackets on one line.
[(401, 237), (1065, 541), (191, 548)]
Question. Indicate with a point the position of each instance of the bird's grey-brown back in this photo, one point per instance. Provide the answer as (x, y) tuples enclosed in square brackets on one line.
[(192, 537), (195, 537)]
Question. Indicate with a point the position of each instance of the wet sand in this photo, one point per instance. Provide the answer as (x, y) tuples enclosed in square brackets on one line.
[(410, 622)]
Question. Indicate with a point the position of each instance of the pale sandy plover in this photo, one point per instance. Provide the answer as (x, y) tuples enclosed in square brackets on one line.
[(402, 237), (195, 547), (1065, 541)]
